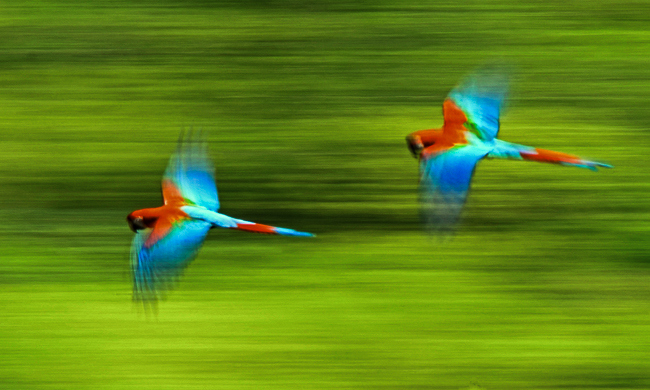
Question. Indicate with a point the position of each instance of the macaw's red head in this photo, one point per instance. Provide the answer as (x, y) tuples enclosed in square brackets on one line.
[(137, 221)]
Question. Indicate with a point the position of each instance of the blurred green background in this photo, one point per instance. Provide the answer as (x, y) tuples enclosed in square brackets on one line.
[(307, 104)]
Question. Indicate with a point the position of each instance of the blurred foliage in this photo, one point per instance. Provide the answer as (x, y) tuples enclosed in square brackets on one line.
[(307, 105)]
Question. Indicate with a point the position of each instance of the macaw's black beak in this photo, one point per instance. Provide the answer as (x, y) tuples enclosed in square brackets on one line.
[(136, 224), (415, 145)]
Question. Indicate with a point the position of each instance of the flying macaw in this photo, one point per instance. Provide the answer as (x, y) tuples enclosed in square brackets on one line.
[(168, 238), (448, 156)]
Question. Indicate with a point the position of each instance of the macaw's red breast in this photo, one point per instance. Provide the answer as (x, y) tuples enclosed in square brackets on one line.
[(169, 216), (161, 220), (166, 216), (451, 134)]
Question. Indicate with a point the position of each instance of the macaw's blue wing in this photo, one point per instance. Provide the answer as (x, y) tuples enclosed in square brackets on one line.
[(481, 96), (191, 172), (444, 182), (156, 268)]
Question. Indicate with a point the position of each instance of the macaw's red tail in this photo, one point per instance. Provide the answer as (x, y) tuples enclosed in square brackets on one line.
[(549, 156), (266, 229), (256, 228)]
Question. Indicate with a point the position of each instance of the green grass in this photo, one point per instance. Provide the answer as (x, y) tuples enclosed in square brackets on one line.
[(545, 286)]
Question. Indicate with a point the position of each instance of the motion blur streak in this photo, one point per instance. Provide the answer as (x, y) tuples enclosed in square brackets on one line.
[(545, 285)]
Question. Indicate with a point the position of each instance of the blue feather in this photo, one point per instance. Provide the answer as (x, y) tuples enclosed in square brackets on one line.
[(481, 97), (192, 172), (445, 181), (156, 269)]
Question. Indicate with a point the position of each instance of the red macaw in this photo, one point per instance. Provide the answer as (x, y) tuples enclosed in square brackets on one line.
[(169, 237), (448, 156)]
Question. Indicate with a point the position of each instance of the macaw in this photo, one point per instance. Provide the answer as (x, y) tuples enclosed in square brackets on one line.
[(168, 238), (448, 156)]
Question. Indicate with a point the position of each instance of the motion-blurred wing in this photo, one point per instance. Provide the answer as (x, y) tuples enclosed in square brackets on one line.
[(191, 172), (156, 268), (444, 183), (480, 97)]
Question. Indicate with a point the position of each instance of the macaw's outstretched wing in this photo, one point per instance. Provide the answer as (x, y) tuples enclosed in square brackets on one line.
[(445, 179), (189, 178), (480, 97), (156, 267)]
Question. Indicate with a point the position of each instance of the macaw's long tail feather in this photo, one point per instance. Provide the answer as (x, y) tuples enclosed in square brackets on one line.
[(266, 229), (549, 156), (504, 149), (224, 221)]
